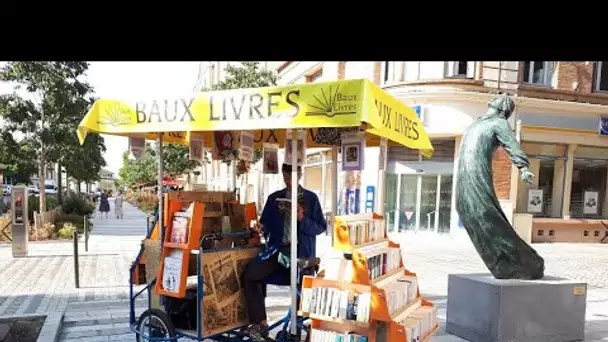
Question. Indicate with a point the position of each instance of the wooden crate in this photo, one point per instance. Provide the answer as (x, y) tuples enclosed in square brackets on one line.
[(223, 296)]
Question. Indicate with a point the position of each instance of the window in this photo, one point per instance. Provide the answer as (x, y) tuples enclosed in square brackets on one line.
[(460, 69), (601, 76), (538, 72), (393, 72), (212, 74)]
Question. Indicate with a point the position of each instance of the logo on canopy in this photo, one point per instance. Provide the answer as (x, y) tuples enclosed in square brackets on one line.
[(331, 102), (115, 115)]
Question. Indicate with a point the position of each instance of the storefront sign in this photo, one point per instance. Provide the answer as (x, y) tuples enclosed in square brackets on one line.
[(591, 199), (535, 200)]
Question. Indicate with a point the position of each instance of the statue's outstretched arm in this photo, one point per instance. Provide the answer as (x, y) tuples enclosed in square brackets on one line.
[(506, 139)]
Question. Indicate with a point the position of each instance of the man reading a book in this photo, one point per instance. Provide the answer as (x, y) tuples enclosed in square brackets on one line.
[(276, 225)]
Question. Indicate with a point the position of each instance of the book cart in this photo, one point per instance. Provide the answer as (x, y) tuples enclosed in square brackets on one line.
[(368, 294), (316, 112)]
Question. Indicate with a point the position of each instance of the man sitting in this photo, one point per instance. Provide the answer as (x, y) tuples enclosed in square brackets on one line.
[(276, 223)]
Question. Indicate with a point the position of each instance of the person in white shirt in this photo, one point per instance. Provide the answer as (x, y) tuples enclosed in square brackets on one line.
[(118, 205)]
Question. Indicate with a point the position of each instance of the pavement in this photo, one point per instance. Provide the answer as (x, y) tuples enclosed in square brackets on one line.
[(43, 283)]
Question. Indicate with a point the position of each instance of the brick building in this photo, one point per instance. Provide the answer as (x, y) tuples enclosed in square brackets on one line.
[(559, 109)]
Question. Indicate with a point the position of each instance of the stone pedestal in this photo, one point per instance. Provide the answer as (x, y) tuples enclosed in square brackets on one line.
[(483, 309)]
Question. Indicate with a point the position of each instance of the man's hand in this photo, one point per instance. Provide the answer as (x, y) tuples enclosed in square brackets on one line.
[(300, 213)]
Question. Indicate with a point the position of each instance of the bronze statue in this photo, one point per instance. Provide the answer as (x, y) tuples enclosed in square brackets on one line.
[(505, 254)]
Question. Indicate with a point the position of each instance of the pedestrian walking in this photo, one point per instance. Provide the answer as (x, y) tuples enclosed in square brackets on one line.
[(118, 205), (104, 205)]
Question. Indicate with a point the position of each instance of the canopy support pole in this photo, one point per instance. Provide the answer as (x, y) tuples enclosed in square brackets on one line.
[(161, 171), (295, 134), (334, 190), (381, 190)]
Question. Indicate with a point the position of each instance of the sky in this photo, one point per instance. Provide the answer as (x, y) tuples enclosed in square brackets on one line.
[(130, 81)]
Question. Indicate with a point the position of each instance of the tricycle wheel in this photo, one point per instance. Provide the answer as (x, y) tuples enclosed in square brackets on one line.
[(154, 323), (285, 336)]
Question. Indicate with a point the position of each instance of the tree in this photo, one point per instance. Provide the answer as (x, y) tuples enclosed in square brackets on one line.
[(17, 158), (143, 170), (176, 160), (84, 162), (247, 75), (42, 123)]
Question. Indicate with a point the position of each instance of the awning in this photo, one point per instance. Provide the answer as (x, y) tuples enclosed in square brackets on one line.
[(268, 111)]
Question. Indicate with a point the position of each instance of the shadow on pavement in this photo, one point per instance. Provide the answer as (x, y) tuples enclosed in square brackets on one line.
[(80, 255)]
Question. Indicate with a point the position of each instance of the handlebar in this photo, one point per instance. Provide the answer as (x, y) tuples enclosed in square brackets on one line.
[(234, 235)]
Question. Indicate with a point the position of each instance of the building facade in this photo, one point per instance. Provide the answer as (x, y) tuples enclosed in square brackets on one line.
[(559, 109)]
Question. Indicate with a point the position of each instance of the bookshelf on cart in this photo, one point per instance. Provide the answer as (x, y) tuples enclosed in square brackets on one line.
[(367, 295)]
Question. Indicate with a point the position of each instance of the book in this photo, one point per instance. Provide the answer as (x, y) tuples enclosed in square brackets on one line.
[(396, 296), (336, 303), (320, 335), (361, 232), (179, 230)]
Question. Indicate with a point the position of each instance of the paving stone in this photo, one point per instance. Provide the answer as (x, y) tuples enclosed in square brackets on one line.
[(5, 327), (45, 282)]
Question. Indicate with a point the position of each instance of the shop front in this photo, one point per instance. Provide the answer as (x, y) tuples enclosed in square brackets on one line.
[(568, 200), (419, 191)]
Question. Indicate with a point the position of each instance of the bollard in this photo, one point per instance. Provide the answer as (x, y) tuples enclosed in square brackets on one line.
[(76, 273), (147, 225), (86, 233)]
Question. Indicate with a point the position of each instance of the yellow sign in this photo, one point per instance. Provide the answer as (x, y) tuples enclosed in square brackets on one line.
[(391, 119), (578, 290), (347, 103)]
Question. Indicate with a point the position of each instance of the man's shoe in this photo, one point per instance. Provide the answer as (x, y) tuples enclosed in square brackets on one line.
[(257, 332)]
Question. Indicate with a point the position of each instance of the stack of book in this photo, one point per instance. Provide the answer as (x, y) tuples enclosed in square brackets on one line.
[(381, 264), (335, 303), (366, 294), (330, 336), (420, 323), (361, 232), (396, 296)]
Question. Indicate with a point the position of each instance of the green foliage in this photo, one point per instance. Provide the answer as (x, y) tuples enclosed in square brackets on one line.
[(77, 205), (247, 75), (142, 170), (177, 160), (66, 231), (84, 162), (33, 204), (72, 220), (57, 100), (145, 169)]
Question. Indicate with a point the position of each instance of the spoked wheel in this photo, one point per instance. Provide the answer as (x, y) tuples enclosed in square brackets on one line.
[(154, 323)]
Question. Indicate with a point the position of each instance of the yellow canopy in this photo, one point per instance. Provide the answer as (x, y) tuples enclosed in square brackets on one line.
[(268, 111)]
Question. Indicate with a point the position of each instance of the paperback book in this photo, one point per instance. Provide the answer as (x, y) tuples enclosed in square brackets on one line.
[(318, 335), (335, 303), (179, 230)]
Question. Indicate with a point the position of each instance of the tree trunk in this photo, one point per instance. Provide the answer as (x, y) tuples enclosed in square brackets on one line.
[(78, 187), (59, 186), (41, 186)]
